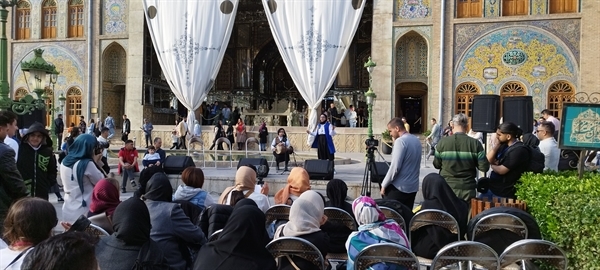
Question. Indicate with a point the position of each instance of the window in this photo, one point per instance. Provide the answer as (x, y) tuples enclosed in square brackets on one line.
[(76, 18), (464, 98), (515, 7), (563, 6), (49, 19), (511, 89), (469, 9), (559, 93), (73, 110), (21, 93), (23, 23)]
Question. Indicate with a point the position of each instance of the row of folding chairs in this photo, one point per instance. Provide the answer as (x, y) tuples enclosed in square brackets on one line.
[(473, 255)]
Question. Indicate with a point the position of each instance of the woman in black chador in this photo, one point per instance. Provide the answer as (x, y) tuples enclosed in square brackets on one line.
[(219, 132)]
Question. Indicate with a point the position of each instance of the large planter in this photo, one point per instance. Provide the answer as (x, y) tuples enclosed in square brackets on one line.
[(386, 148)]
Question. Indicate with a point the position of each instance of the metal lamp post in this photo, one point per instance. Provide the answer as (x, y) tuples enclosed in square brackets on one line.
[(38, 68), (370, 96), (54, 109)]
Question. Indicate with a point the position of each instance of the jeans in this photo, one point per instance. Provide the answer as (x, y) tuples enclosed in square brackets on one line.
[(489, 196), (127, 175), (148, 139), (263, 147), (111, 132), (352, 123)]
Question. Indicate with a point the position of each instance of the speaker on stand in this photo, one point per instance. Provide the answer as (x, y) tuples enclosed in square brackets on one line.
[(485, 113), (519, 110)]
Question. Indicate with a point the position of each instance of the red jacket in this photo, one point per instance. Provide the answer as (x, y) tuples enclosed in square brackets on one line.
[(128, 157)]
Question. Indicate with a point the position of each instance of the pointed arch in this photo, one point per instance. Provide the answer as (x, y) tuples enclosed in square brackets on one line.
[(114, 64), (412, 56)]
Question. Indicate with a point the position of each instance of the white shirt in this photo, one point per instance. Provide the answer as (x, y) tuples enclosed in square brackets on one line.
[(274, 145), (554, 121), (549, 148), (7, 255), (13, 144), (321, 130), (105, 150), (72, 207), (260, 199)]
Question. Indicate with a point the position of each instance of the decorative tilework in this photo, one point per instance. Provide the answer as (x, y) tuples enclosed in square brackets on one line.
[(424, 31), (539, 7), (491, 8), (70, 68), (115, 16), (567, 31), (411, 56), (539, 97), (411, 9)]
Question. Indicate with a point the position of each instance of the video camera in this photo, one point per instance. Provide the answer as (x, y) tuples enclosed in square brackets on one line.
[(371, 143)]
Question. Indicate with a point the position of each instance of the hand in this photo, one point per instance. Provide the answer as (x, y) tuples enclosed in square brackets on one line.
[(66, 225), (382, 192), (157, 163), (308, 131), (332, 127), (265, 189)]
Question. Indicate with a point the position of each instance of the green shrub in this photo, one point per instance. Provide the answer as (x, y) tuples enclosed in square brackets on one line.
[(426, 133), (568, 211), (386, 136)]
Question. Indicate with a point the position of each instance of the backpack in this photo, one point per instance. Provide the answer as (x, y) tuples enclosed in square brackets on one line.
[(537, 160)]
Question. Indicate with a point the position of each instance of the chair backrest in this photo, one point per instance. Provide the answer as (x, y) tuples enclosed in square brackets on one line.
[(96, 231), (393, 214), (386, 253), (500, 221), (434, 217), (529, 249), (221, 140), (215, 235), (338, 215), (277, 212), (466, 252), (102, 221), (294, 246)]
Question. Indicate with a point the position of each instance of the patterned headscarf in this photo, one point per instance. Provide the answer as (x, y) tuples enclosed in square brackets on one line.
[(366, 211)]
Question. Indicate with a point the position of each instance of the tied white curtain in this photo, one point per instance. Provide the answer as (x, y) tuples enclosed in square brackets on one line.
[(190, 39), (313, 37)]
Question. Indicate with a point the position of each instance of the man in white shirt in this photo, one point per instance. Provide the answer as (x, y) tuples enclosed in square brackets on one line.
[(10, 133), (547, 114), (351, 116), (548, 146), (104, 143)]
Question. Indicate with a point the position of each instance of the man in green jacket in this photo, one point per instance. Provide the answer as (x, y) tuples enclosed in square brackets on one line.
[(458, 157)]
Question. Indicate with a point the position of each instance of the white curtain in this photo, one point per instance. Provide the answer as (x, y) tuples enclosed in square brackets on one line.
[(190, 39), (313, 37)]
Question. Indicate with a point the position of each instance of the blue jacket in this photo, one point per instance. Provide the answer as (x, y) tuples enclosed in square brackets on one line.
[(327, 137)]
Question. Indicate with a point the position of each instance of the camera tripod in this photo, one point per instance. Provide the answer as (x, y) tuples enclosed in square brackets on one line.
[(370, 171)]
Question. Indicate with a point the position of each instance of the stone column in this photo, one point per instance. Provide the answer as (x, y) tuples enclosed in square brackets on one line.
[(135, 56), (382, 48)]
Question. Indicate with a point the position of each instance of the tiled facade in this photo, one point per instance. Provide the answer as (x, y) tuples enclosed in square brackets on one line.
[(406, 41)]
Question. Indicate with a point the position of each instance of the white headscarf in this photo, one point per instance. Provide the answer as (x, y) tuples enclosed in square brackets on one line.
[(306, 215)]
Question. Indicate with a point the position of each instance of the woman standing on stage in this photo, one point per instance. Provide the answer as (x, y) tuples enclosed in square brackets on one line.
[(324, 139)]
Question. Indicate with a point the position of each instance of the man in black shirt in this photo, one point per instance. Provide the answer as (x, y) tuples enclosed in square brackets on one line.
[(59, 127)]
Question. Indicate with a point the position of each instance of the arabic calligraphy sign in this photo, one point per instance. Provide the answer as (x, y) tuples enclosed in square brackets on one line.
[(580, 126)]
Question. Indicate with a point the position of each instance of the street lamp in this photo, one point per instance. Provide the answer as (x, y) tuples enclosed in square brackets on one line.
[(370, 96), (54, 109), (38, 67)]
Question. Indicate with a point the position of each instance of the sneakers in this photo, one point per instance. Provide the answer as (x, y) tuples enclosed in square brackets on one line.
[(133, 184), (61, 199)]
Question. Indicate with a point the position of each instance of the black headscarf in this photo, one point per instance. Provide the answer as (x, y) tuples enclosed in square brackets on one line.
[(531, 140), (145, 176), (159, 188), (337, 190), (242, 242), (323, 122), (131, 222), (428, 240)]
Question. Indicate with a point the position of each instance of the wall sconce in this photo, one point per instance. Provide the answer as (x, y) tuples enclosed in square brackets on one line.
[(94, 110)]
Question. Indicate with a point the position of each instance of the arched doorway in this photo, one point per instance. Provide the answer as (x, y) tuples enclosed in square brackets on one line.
[(114, 73), (559, 93), (464, 100), (411, 73), (511, 89), (411, 102)]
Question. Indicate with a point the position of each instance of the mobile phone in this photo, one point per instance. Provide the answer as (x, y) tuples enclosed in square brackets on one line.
[(80, 224)]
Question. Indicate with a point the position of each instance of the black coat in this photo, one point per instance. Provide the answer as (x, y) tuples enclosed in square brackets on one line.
[(11, 183), (37, 167), (59, 126)]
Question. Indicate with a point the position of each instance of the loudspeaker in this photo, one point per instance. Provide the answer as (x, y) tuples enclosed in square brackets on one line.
[(261, 171), (519, 110), (485, 113), (381, 168), (176, 164), (319, 169)]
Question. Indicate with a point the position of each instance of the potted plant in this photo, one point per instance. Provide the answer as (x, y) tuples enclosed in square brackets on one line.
[(386, 142)]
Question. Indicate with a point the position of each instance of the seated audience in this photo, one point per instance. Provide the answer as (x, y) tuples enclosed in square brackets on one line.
[(105, 198), (29, 221), (297, 183), (152, 158), (171, 228), (306, 217), (214, 218), (145, 176), (338, 232), (130, 244), (428, 240), (65, 251), (241, 243), (373, 228), (245, 187), (191, 190)]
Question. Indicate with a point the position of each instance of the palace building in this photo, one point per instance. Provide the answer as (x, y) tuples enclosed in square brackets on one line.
[(432, 57)]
